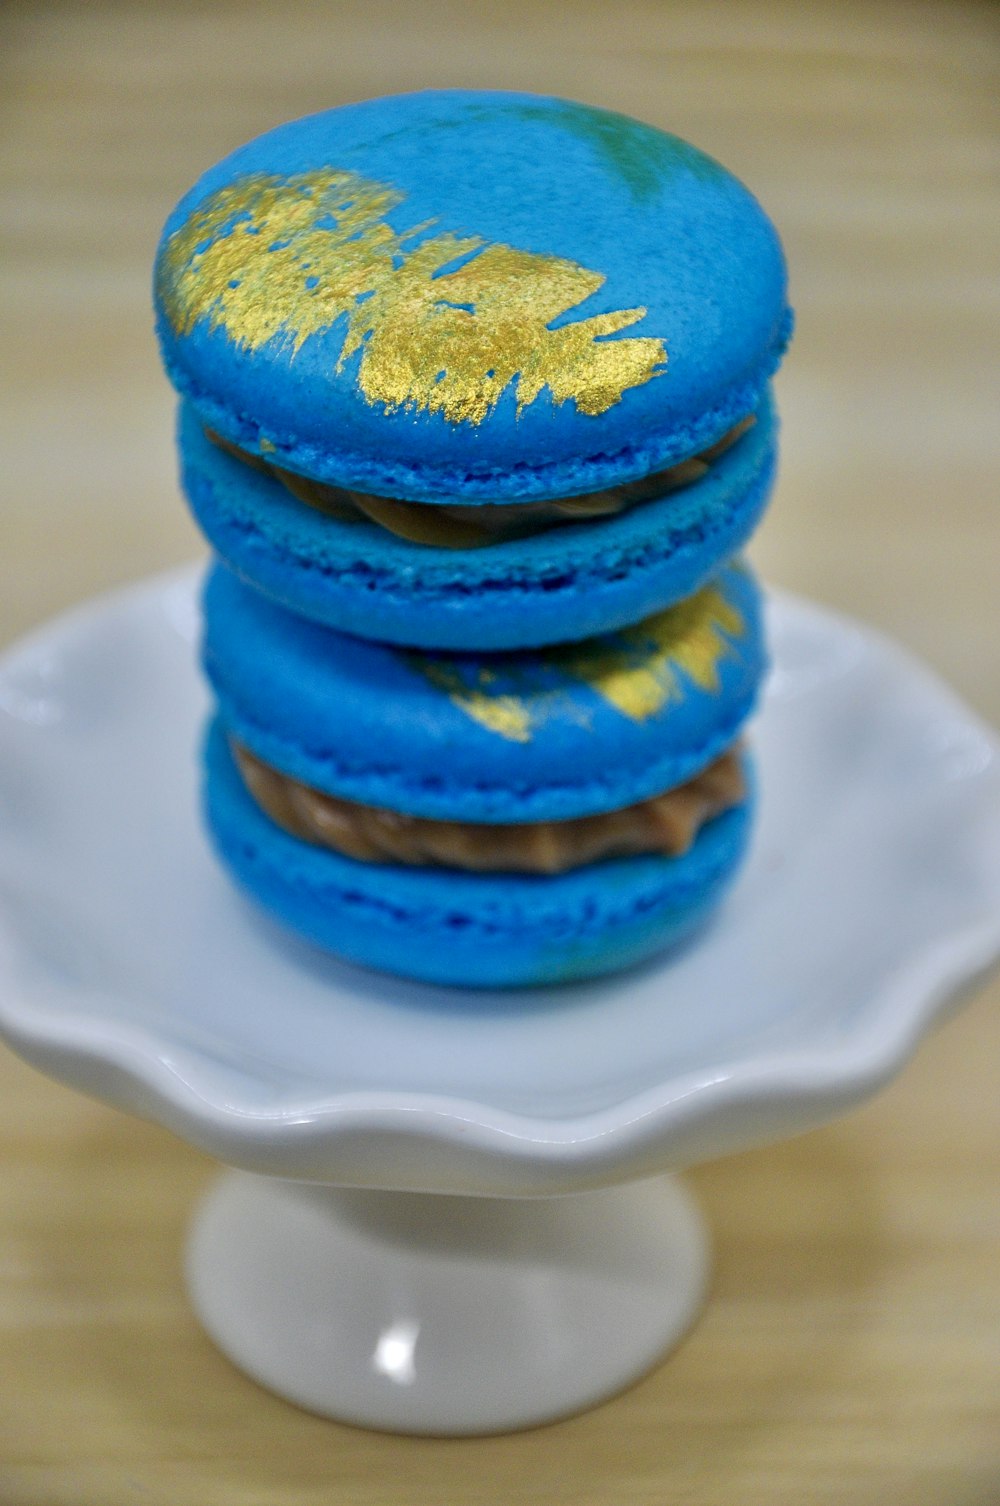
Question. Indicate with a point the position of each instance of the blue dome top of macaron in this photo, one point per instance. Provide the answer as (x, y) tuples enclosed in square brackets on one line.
[(547, 735), (475, 295)]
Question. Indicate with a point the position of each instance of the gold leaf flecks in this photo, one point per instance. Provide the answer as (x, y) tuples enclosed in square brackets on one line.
[(271, 257), (508, 716), (638, 671)]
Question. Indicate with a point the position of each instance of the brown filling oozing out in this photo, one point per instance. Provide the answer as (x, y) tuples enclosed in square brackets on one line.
[(666, 824), (448, 526)]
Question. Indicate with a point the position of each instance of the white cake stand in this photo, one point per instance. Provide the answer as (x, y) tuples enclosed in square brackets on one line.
[(331, 1267)]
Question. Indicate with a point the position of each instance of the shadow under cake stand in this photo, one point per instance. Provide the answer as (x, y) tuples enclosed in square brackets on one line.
[(451, 1214)]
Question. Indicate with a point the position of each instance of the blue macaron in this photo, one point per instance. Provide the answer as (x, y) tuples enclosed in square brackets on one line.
[(474, 300), (569, 582), (566, 732)]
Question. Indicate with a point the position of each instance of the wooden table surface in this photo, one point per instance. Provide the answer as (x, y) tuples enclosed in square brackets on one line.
[(851, 1350)]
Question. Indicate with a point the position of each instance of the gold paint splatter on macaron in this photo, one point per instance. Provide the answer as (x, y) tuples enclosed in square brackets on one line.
[(637, 672), (509, 716), (444, 323)]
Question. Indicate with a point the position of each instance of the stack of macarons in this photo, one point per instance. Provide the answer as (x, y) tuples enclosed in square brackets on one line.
[(475, 415)]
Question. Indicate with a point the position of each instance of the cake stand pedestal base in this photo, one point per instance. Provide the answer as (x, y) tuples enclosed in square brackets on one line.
[(428, 1313)]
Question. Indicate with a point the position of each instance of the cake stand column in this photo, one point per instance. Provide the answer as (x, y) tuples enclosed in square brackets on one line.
[(429, 1313)]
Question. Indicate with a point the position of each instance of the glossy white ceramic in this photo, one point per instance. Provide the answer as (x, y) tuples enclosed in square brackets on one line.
[(423, 1313), (131, 969)]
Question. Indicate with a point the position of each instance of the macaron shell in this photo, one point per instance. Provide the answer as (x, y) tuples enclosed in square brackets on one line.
[(568, 582), (563, 732), (474, 930), (605, 298)]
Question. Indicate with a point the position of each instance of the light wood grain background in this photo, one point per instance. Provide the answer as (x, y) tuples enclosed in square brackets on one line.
[(851, 1352)]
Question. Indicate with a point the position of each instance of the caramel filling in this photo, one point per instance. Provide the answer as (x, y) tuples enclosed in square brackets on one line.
[(448, 526), (666, 824)]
